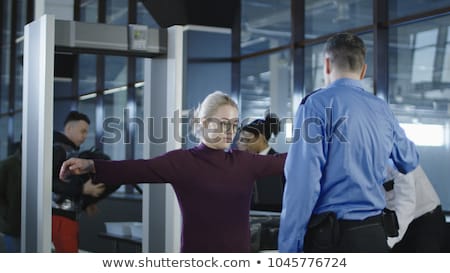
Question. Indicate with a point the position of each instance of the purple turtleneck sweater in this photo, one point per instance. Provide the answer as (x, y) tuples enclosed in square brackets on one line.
[(213, 188)]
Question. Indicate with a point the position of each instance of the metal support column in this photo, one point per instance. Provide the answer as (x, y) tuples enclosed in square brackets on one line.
[(37, 134), (162, 99)]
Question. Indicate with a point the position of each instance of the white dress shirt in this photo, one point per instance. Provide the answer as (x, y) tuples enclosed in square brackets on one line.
[(413, 196), (265, 151)]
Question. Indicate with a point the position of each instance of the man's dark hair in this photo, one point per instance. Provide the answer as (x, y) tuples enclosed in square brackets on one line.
[(346, 51), (270, 125), (76, 116)]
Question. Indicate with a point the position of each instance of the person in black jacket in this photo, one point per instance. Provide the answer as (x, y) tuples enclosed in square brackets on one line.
[(254, 138), (267, 192), (87, 202), (10, 200), (66, 198)]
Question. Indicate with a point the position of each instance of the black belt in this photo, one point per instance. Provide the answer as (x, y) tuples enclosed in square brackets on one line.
[(346, 224)]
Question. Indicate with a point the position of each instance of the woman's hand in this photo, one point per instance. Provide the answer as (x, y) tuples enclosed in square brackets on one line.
[(76, 166)]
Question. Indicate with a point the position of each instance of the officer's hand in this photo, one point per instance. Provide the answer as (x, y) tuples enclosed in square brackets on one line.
[(92, 189)]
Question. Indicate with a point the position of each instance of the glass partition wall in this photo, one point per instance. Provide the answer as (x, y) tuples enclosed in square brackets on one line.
[(266, 63), (280, 57), (419, 93)]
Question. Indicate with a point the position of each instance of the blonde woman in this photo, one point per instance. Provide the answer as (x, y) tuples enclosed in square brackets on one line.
[(213, 183)]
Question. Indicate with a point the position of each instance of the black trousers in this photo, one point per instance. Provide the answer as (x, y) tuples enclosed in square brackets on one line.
[(355, 236), (424, 234)]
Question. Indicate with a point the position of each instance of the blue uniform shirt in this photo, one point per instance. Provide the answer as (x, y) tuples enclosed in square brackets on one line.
[(343, 138)]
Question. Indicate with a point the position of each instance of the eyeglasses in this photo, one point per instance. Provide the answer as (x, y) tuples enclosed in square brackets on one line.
[(223, 125), (228, 125)]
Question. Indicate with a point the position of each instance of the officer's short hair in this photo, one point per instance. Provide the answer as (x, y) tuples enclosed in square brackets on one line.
[(346, 51)]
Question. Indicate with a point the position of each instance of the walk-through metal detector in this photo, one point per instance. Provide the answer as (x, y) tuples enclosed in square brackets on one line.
[(162, 97)]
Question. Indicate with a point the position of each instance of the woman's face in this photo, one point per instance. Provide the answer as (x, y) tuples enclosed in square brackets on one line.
[(220, 129)]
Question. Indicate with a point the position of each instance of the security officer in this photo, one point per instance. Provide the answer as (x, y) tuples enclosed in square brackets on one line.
[(334, 170)]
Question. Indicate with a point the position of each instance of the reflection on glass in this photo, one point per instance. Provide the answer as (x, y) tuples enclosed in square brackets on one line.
[(314, 78), (19, 77), (116, 70), (401, 8), (87, 73), (314, 68), (265, 24), (368, 79), (139, 132), (419, 65), (115, 105), (6, 56), (446, 67), (89, 11), (87, 106), (139, 137), (144, 17), (117, 12), (419, 93), (424, 53), (140, 69), (20, 17), (423, 64), (17, 126), (330, 16), (113, 125), (266, 85)]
